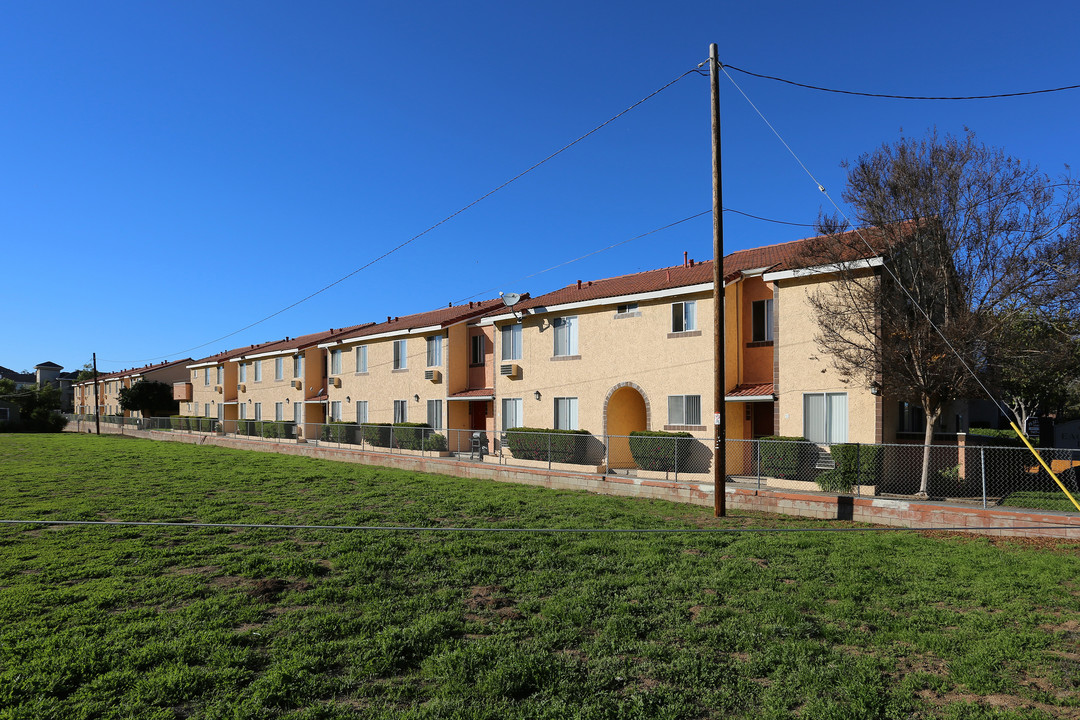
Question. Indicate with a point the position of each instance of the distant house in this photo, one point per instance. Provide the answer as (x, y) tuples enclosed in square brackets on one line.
[(46, 373)]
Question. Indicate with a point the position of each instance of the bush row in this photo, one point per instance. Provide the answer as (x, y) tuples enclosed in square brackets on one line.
[(663, 451), (548, 444), (406, 436)]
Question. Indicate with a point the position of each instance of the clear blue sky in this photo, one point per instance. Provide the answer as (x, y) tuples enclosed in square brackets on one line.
[(173, 171)]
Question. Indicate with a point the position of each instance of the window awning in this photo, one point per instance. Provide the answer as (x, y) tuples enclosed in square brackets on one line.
[(762, 392)]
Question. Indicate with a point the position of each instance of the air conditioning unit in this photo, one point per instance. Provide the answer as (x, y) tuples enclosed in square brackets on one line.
[(298, 384), (336, 382), (242, 387), (217, 388), (433, 375), (510, 370)]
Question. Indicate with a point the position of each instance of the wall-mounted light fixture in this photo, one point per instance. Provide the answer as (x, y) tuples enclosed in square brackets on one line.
[(286, 401), (348, 399), (537, 394), (875, 388), (416, 398)]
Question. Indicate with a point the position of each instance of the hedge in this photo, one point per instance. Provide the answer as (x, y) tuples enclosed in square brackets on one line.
[(788, 457), (662, 451), (855, 464), (548, 444), (336, 431), (192, 423)]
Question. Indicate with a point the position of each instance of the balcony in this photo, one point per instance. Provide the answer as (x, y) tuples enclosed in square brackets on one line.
[(181, 391)]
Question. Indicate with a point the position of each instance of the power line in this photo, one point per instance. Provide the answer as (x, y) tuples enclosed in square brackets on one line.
[(902, 97), (428, 528), (419, 235)]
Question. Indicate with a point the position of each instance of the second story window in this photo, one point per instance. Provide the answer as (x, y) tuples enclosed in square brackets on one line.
[(206, 376), (510, 336), (335, 362), (220, 375), (401, 354), (476, 350), (361, 359), (684, 316), (279, 369), (298, 367), (762, 312), (566, 335), (434, 351), (258, 370), (243, 372)]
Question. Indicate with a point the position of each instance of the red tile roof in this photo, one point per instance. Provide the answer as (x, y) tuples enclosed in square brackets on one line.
[(784, 256), (442, 317), (751, 390), (141, 370), (478, 392)]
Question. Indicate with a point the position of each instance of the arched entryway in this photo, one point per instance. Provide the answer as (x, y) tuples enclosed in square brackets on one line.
[(625, 410)]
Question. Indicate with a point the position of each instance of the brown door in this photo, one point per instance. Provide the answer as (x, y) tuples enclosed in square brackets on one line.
[(478, 415), (763, 419)]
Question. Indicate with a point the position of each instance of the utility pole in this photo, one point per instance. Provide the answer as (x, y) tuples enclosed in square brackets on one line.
[(719, 409), (97, 404)]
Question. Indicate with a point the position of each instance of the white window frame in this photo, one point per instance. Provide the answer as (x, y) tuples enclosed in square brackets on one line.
[(434, 350), (566, 413), (206, 377), (335, 410), (361, 412), (298, 367), (335, 362), (258, 412), (401, 411), (279, 368), (513, 409), (206, 409), (220, 374), (684, 316), (684, 410), (243, 372), (243, 411), (510, 340), (401, 354), (279, 412), (258, 370), (435, 414), (361, 358), (566, 336), (834, 428), (298, 413)]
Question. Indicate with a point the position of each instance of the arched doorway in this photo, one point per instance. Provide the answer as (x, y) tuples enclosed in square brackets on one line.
[(626, 410)]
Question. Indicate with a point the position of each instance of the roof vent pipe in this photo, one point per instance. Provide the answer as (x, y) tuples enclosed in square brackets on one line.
[(578, 284), (691, 262), (684, 256)]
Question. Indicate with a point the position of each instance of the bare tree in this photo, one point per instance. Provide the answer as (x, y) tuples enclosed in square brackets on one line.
[(969, 236)]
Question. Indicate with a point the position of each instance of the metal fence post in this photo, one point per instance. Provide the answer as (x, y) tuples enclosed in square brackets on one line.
[(982, 461), (676, 441), (858, 465), (549, 450), (757, 461)]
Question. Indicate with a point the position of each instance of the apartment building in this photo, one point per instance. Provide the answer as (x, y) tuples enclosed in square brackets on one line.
[(433, 367), (109, 386)]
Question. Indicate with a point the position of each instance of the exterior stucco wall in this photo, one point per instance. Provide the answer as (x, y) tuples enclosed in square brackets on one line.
[(637, 348), (381, 385), (805, 367)]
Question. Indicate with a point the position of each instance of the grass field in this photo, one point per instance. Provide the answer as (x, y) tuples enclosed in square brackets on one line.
[(137, 622)]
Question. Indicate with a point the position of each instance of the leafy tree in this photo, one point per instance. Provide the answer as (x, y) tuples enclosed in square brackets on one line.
[(1037, 364), (149, 397), (86, 373), (971, 236), (38, 408)]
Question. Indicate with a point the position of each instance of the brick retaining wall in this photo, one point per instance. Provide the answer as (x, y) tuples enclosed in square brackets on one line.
[(874, 510)]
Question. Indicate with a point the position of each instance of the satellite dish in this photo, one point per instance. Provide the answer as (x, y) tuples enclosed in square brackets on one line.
[(510, 299)]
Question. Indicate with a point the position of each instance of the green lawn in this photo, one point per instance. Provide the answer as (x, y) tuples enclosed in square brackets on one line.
[(1039, 501), (135, 622)]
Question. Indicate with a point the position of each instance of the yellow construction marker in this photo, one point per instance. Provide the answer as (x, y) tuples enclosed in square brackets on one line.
[(1043, 463)]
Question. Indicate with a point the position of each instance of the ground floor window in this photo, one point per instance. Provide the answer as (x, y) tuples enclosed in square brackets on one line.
[(279, 411), (434, 413), (298, 413), (684, 409), (335, 410), (401, 411), (566, 413), (825, 417), (512, 413), (361, 411)]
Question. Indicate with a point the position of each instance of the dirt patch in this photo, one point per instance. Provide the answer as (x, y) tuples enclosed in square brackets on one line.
[(695, 611), (269, 589), (1052, 544), (760, 562), (692, 551), (997, 700), (486, 597)]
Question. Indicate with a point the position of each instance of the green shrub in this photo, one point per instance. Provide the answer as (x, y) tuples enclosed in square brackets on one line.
[(377, 434), (275, 429), (562, 446), (435, 443), (410, 436), (336, 431), (787, 457), (50, 423), (997, 438), (662, 451), (855, 464)]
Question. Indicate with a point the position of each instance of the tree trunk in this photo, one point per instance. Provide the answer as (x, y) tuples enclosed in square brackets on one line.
[(928, 438)]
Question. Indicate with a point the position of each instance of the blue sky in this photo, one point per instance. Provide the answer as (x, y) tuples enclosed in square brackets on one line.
[(172, 172)]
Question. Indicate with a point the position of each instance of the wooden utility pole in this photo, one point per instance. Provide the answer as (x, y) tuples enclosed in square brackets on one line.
[(97, 404), (719, 410)]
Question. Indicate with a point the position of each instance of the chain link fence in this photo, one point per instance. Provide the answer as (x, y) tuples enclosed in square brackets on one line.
[(975, 470)]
